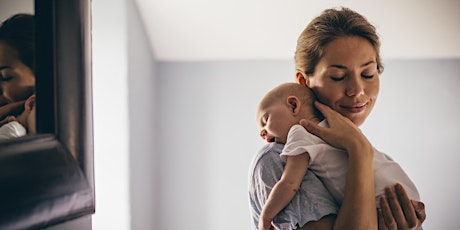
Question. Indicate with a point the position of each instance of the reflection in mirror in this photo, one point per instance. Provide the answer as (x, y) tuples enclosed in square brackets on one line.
[(46, 179), (17, 69)]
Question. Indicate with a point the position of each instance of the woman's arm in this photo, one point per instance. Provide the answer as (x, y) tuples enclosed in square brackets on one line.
[(398, 216), (285, 189), (9, 109), (358, 210)]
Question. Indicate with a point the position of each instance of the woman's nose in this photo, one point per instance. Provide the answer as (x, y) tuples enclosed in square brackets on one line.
[(355, 87)]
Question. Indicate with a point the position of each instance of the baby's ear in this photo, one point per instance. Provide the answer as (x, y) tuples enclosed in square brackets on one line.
[(30, 103), (294, 104)]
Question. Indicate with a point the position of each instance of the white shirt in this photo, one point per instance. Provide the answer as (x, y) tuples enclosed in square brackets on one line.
[(331, 164), (11, 130)]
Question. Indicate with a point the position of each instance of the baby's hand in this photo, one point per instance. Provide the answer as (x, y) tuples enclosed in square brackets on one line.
[(7, 120), (8, 109)]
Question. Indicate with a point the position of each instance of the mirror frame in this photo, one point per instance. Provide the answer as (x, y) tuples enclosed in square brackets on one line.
[(48, 178)]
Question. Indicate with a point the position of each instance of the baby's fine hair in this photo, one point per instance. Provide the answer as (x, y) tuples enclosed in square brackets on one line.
[(282, 91)]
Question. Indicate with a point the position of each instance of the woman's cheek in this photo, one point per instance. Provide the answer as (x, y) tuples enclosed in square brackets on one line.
[(327, 97)]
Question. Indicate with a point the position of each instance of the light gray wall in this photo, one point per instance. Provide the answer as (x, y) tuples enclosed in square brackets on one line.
[(207, 135), (141, 107), (10, 7), (193, 134)]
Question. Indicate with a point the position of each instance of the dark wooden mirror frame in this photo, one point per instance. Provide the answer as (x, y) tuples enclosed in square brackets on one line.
[(47, 178)]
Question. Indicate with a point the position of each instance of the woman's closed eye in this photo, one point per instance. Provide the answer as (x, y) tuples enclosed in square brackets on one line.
[(338, 78), (6, 78), (367, 76)]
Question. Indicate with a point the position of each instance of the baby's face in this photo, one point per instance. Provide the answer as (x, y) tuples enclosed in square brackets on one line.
[(275, 120)]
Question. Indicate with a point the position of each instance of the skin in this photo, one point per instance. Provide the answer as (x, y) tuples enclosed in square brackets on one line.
[(346, 80), (276, 116), (17, 81), (27, 117), (276, 120)]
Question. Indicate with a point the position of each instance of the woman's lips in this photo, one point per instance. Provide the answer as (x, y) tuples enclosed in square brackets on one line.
[(356, 108)]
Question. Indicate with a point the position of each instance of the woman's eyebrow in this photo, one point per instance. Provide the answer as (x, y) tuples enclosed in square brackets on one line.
[(344, 67), (4, 67), (337, 66), (368, 63)]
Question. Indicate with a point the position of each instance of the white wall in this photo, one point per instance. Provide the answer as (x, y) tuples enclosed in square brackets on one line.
[(124, 118), (111, 124)]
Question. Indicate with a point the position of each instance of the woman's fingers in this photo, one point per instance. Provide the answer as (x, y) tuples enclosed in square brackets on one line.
[(327, 112), (312, 127), (398, 211), (419, 210), (341, 133), (406, 205), (381, 220), (388, 219), (396, 208)]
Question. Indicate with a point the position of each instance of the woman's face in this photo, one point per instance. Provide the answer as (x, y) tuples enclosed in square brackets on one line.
[(16, 79), (346, 78)]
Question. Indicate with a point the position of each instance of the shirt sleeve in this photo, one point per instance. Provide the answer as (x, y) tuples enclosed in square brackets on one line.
[(11, 130), (300, 141), (311, 202)]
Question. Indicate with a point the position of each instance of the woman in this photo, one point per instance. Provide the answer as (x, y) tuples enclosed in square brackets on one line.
[(17, 64), (337, 56)]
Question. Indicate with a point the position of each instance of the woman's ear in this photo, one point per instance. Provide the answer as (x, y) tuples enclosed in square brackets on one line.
[(294, 104), (301, 79)]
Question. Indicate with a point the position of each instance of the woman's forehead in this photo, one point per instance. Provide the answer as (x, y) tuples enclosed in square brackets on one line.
[(349, 50), (7, 54)]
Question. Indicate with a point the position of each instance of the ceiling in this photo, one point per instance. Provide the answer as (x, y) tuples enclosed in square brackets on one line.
[(182, 30)]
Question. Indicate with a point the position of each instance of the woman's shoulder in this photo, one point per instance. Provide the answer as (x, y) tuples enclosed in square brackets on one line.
[(269, 151), (267, 157)]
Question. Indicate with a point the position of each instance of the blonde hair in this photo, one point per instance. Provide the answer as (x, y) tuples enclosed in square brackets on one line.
[(330, 25)]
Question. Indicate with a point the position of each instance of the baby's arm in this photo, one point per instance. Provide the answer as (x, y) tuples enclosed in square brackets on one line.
[(285, 189)]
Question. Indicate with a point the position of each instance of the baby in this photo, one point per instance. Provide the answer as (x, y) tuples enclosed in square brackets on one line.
[(22, 124), (278, 115)]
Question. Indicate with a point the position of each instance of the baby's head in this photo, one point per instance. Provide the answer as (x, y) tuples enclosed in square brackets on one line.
[(283, 107)]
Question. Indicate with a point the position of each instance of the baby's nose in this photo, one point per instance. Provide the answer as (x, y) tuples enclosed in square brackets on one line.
[(263, 134), (266, 137)]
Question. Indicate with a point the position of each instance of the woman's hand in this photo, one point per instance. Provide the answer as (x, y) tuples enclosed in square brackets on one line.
[(9, 109), (342, 133), (265, 224), (358, 207), (398, 212)]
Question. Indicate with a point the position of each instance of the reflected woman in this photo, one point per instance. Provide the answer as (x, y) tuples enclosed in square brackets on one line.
[(17, 65)]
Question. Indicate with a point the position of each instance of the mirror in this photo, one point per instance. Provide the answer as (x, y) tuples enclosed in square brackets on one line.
[(17, 63), (47, 178)]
